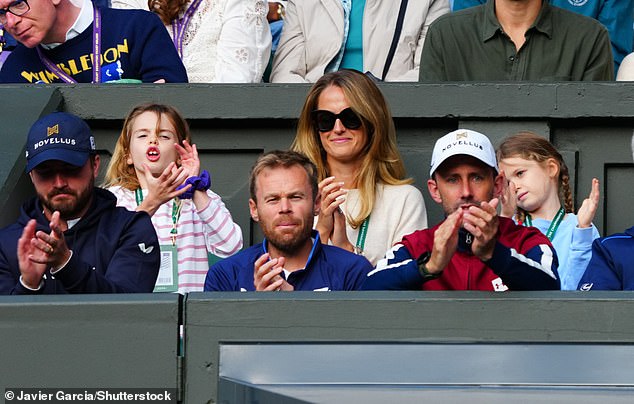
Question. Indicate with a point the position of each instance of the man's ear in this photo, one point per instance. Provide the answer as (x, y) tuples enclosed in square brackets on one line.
[(317, 204), (432, 187), (253, 209), (498, 184), (95, 166)]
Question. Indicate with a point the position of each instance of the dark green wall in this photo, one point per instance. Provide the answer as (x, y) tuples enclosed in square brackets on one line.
[(131, 341), (215, 319), (108, 341)]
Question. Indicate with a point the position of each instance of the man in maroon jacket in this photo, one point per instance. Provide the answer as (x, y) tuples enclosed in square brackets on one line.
[(473, 248)]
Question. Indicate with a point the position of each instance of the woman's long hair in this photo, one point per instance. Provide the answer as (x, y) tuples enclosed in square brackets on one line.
[(382, 161)]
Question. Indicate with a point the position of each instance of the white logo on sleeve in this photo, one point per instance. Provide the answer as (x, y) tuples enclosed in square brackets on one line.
[(145, 249), (498, 285)]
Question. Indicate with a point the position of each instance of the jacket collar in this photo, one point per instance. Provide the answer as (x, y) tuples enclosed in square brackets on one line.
[(102, 200), (313, 251)]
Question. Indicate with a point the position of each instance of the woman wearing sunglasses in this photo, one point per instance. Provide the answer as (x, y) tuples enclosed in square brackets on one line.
[(346, 129)]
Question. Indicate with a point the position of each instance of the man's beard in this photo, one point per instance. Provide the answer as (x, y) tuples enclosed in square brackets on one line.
[(70, 208), (288, 243)]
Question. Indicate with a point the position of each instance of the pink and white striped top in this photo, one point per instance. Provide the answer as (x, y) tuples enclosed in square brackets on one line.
[(199, 232)]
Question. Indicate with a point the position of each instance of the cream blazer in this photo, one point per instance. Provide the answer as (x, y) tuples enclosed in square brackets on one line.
[(313, 34)]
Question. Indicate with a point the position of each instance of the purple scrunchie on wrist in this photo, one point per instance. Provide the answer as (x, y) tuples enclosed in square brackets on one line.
[(201, 183)]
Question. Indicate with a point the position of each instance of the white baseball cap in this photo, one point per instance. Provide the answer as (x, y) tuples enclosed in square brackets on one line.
[(463, 141)]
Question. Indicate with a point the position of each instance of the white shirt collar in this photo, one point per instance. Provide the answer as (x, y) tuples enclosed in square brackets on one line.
[(71, 222), (83, 21)]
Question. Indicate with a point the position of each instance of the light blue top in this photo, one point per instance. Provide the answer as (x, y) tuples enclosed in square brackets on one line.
[(573, 246), (335, 63), (353, 52)]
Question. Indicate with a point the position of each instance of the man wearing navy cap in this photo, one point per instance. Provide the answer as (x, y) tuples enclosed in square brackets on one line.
[(473, 248), (72, 238)]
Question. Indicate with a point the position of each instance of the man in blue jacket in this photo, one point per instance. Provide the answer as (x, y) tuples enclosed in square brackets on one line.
[(284, 201), (611, 266), (72, 238)]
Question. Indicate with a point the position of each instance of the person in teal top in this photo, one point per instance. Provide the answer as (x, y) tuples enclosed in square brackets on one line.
[(323, 36), (353, 50), (538, 194)]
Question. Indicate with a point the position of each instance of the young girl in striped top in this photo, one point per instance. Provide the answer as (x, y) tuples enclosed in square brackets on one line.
[(156, 169)]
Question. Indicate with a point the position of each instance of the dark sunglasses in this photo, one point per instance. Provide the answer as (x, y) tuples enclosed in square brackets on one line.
[(325, 120)]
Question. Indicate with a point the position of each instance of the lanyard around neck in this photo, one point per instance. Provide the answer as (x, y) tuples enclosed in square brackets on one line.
[(180, 25), (554, 225), (176, 212), (363, 231), (96, 54)]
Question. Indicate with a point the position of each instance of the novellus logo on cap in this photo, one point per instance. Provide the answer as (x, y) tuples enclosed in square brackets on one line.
[(53, 130), (463, 141), (59, 136)]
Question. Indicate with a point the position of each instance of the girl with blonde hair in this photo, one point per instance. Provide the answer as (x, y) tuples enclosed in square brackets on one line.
[(538, 194)]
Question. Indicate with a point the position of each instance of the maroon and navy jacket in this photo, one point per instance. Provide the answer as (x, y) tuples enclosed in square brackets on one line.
[(523, 259)]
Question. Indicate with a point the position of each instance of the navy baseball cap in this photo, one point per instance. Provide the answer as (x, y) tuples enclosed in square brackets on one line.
[(59, 136)]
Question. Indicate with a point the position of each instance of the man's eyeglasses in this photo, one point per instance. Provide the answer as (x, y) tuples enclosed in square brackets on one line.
[(325, 120), (18, 7)]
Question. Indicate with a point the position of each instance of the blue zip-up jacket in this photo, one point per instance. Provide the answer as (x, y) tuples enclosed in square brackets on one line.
[(114, 251), (611, 266), (328, 268)]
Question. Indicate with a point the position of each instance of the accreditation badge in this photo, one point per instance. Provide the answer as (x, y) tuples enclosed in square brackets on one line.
[(168, 274)]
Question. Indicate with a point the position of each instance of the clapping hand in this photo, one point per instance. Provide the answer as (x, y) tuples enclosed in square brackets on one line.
[(508, 198), (163, 188), (189, 158), (589, 206), (267, 274)]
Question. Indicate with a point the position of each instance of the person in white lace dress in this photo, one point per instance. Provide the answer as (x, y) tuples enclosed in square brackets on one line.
[(219, 41)]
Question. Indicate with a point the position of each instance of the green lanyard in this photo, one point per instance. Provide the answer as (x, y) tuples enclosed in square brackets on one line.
[(176, 212), (554, 225), (363, 231)]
